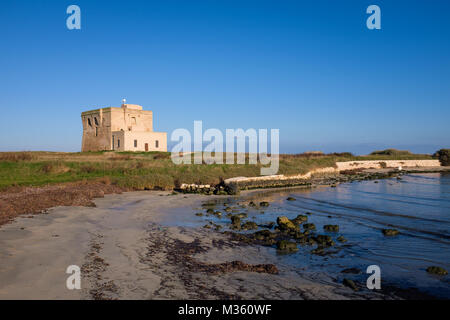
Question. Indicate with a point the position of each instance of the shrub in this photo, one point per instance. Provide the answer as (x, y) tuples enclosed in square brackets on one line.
[(16, 156), (390, 152), (343, 154), (315, 154), (87, 169), (54, 167), (161, 155), (444, 156), (120, 157), (47, 168), (105, 180), (139, 165)]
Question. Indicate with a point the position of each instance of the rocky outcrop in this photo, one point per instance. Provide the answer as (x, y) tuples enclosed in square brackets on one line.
[(285, 224)]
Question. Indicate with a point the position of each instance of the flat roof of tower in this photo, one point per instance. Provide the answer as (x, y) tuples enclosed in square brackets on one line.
[(134, 107)]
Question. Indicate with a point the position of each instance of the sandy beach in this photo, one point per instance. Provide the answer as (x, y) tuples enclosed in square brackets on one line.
[(129, 247)]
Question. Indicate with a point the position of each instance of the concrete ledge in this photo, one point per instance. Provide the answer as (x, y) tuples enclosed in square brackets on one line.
[(340, 166), (379, 164)]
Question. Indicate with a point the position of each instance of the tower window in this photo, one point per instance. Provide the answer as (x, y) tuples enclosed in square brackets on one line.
[(89, 122), (96, 131), (118, 143), (96, 121), (135, 143), (157, 144)]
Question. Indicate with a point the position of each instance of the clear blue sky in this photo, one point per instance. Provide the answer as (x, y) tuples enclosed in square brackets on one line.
[(311, 69)]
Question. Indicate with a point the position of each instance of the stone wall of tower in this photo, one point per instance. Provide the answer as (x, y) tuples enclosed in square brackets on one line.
[(96, 130), (127, 119)]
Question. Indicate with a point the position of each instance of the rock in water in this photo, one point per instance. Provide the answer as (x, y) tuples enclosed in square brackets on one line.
[(319, 251), (268, 225), (300, 219), (287, 246), (264, 204), (291, 199), (390, 232), (285, 224), (350, 283), (437, 270), (235, 222), (331, 228), (263, 235), (309, 226), (324, 240), (249, 225)]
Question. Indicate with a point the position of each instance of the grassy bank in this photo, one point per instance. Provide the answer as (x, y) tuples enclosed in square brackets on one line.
[(149, 170)]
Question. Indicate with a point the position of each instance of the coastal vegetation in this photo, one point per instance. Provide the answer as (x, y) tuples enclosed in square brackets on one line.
[(444, 156), (391, 152), (153, 170)]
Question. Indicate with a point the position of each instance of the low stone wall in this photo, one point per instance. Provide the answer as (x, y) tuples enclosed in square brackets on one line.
[(340, 166), (378, 164), (281, 177)]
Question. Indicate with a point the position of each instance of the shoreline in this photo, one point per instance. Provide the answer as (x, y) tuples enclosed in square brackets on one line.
[(125, 252), (18, 201), (129, 246)]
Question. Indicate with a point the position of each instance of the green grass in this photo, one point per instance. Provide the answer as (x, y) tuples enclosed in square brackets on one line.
[(148, 170)]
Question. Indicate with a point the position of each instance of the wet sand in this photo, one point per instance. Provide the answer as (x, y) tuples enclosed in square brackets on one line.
[(127, 250)]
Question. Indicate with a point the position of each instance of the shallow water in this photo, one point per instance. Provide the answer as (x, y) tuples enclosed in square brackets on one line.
[(418, 206)]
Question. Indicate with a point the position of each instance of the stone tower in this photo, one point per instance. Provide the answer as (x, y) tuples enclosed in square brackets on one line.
[(128, 128)]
